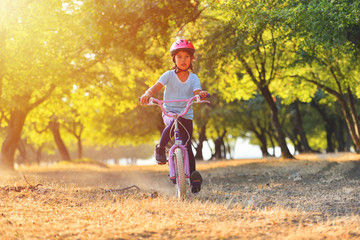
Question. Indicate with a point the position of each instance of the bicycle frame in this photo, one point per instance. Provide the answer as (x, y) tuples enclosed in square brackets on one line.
[(178, 143)]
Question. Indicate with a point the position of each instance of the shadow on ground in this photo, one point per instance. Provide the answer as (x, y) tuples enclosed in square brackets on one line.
[(325, 187)]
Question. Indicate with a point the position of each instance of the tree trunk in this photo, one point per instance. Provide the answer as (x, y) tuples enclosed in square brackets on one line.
[(15, 125), (39, 155), (276, 123), (330, 125), (263, 145), (340, 135), (79, 143), (76, 129), (13, 134), (220, 149), (349, 112), (350, 123), (22, 159), (329, 132), (268, 133), (263, 87), (217, 154), (348, 141), (228, 149), (300, 130), (261, 136), (294, 140), (354, 112), (199, 148), (55, 129)]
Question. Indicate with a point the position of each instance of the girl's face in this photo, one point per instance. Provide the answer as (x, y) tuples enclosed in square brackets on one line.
[(183, 60)]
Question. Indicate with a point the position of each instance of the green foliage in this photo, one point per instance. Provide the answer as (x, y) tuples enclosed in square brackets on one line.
[(328, 22), (87, 62), (32, 53)]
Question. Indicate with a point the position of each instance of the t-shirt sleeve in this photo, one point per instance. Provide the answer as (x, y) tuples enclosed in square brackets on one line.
[(164, 79), (197, 84)]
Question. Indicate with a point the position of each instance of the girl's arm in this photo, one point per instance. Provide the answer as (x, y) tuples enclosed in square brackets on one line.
[(152, 91)]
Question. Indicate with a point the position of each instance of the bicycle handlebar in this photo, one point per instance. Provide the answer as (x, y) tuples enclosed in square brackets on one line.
[(196, 98)]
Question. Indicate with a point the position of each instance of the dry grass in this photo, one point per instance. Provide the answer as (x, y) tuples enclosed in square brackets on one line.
[(252, 199)]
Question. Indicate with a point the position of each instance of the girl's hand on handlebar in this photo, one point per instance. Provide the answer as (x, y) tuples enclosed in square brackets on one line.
[(203, 94), (144, 99)]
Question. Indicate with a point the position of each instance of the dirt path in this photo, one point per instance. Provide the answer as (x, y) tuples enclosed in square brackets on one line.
[(324, 187), (240, 199)]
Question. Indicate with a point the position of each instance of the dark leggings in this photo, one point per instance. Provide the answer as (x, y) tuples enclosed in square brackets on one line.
[(165, 136)]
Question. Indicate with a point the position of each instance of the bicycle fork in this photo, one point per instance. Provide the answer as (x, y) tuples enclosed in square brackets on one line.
[(178, 144)]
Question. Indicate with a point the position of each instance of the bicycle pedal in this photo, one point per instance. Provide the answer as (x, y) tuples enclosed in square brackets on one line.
[(173, 179)]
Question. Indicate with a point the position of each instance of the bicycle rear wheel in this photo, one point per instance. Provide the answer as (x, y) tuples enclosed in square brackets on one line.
[(180, 174)]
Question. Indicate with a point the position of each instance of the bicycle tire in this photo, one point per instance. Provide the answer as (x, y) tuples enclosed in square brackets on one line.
[(180, 174)]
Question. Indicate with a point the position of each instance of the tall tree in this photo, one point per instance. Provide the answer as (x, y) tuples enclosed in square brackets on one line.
[(249, 45), (33, 63), (254, 115), (330, 55), (298, 129)]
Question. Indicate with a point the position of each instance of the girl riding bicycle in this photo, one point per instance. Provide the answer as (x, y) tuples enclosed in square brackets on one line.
[(180, 84)]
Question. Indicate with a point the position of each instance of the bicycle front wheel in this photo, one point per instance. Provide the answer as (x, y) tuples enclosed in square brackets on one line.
[(180, 174)]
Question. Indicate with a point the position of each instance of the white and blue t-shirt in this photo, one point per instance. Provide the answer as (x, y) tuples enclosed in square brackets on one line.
[(175, 89)]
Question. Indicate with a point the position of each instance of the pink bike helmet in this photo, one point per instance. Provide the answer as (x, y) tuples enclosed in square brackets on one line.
[(182, 45)]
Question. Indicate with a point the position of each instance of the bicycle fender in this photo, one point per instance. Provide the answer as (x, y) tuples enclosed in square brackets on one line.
[(172, 164)]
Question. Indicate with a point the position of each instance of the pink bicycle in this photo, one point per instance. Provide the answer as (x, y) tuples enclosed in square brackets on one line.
[(179, 169)]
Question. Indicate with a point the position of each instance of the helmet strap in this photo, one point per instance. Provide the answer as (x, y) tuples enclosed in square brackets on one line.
[(178, 70)]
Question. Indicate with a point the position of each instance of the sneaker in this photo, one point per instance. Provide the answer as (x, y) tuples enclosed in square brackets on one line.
[(160, 155), (195, 181)]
